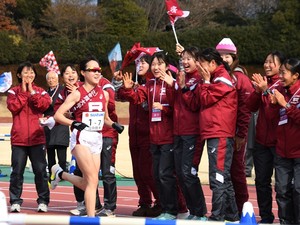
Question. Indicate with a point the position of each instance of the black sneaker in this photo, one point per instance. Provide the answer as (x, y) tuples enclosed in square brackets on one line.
[(141, 211), (154, 211)]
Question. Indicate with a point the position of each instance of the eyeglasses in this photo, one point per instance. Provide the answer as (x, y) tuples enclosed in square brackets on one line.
[(94, 69)]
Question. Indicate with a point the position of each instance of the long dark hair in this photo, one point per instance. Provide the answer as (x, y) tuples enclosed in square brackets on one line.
[(210, 54), (236, 64)]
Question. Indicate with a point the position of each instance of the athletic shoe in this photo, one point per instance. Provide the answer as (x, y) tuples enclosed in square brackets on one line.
[(142, 211), (166, 216), (80, 207), (154, 211), (190, 217), (42, 207), (15, 208), (201, 218), (183, 215), (54, 178), (106, 212)]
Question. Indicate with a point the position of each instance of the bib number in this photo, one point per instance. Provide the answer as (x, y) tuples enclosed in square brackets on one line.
[(95, 120), (156, 115)]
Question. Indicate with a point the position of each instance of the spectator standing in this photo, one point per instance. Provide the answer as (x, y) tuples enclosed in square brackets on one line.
[(161, 132), (139, 143), (27, 102), (57, 139), (287, 162), (265, 141), (217, 98), (188, 146), (244, 88)]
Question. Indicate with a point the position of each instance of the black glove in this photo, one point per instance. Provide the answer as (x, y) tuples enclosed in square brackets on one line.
[(78, 125), (118, 127)]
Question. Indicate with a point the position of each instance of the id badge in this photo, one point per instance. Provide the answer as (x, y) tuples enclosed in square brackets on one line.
[(95, 120), (156, 115), (283, 117)]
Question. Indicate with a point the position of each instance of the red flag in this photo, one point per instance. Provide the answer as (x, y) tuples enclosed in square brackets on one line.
[(50, 62), (134, 53), (130, 55), (174, 11), (148, 50)]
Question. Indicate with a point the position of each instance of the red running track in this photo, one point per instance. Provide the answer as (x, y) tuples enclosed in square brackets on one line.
[(62, 199)]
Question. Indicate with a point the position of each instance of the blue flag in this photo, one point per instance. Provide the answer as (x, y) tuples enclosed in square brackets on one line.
[(5, 81), (115, 58)]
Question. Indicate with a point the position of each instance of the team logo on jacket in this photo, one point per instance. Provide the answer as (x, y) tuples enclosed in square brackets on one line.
[(295, 100)]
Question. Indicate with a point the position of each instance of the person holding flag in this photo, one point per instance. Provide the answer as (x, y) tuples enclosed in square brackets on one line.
[(174, 12)]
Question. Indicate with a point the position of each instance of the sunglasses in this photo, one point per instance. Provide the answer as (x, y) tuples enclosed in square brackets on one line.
[(94, 69)]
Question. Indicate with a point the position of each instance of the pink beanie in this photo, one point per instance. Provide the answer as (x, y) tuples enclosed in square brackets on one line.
[(226, 46)]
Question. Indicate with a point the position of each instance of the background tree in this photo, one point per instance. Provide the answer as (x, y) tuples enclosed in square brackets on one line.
[(73, 19), (31, 10), (6, 15), (123, 18)]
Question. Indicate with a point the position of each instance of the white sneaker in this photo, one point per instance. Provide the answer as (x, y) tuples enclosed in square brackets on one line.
[(42, 207), (54, 178), (183, 215), (80, 208), (15, 208)]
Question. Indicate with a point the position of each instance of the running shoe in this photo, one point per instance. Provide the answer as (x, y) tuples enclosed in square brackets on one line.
[(54, 178), (80, 207), (106, 212), (15, 208), (42, 207), (166, 216)]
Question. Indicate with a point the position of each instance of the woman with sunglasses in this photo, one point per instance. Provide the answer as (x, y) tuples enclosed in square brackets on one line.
[(89, 104)]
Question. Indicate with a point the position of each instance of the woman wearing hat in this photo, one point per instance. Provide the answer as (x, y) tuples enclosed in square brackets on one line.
[(244, 87)]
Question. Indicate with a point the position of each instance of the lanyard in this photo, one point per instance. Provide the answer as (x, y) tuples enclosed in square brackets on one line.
[(294, 95), (273, 85), (154, 91)]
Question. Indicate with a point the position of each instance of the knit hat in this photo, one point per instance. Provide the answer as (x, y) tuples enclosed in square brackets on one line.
[(226, 46)]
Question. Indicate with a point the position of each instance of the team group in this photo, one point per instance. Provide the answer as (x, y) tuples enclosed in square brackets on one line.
[(173, 112)]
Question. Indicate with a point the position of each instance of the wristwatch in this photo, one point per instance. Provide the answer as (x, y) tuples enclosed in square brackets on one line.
[(288, 105), (33, 92)]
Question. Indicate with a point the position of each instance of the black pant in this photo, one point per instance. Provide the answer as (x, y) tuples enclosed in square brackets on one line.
[(108, 177), (263, 159), (184, 151), (220, 153), (61, 156), (164, 175), (287, 187), (37, 156)]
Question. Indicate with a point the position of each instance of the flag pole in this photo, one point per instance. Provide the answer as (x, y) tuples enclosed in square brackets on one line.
[(173, 28)]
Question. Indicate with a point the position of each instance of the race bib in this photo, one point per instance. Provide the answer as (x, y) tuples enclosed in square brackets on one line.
[(283, 117), (95, 120), (156, 115)]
